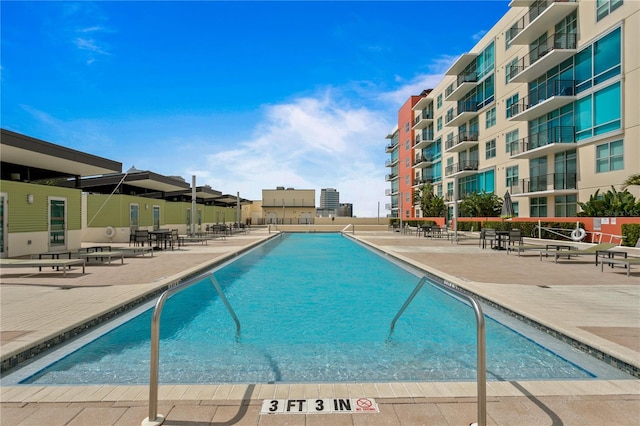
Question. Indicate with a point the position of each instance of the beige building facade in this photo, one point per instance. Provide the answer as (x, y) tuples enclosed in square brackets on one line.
[(545, 106), (288, 206)]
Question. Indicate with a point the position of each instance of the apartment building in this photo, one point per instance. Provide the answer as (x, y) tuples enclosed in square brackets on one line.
[(545, 106)]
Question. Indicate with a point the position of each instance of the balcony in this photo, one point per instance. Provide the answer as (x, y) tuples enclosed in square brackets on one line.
[(424, 103), (557, 49), (390, 147), (422, 161), (539, 18), (461, 63), (423, 119), (548, 97), (423, 139), (462, 85), (418, 181), (462, 142), (391, 176), (551, 184), (521, 3), (449, 196), (462, 169), (391, 162), (390, 191), (550, 141), (463, 113)]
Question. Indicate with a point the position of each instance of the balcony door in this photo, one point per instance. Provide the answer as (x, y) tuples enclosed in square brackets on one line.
[(57, 223), (3, 225)]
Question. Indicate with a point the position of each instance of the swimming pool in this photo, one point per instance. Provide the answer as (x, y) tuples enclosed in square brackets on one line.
[(314, 308)]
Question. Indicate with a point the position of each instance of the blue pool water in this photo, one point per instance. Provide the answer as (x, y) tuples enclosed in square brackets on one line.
[(313, 308)]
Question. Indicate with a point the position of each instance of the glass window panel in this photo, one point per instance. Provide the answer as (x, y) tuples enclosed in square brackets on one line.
[(583, 114), (607, 104), (602, 165), (606, 52)]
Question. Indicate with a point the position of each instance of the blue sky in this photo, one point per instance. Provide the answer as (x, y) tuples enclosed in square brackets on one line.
[(244, 95)]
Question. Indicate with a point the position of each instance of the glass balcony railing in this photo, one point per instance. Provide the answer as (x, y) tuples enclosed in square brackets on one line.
[(541, 94), (553, 135), (462, 166), (546, 183)]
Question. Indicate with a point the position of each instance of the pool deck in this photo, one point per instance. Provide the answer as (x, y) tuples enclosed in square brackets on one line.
[(572, 297)]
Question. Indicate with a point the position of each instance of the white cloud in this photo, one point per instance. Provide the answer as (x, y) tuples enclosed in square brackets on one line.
[(310, 143)]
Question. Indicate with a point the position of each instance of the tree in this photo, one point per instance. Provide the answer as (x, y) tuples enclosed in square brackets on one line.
[(480, 204), (431, 204), (610, 204), (632, 180)]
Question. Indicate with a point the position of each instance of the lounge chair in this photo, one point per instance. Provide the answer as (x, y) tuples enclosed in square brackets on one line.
[(590, 251), (627, 262)]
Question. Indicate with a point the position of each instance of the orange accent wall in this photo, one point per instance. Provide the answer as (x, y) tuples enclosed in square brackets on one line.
[(405, 116)]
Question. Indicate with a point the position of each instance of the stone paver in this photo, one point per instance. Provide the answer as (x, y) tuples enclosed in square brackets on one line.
[(601, 309)]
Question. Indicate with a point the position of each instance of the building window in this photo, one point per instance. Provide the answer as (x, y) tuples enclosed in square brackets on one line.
[(439, 101), (512, 106), (407, 145), (490, 118), (407, 180), (605, 7), (609, 157), (490, 149), (439, 124), (407, 128), (134, 215), (512, 140), (599, 113), (566, 205), (407, 162), (512, 176), (511, 70), (538, 207), (516, 209)]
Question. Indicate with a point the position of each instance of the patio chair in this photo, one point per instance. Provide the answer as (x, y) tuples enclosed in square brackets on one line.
[(487, 235), (174, 239), (141, 237), (515, 237)]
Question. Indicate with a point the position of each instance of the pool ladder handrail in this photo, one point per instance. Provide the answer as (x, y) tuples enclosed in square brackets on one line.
[(154, 418), (481, 342)]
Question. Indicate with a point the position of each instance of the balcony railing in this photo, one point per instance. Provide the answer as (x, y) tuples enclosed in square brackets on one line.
[(425, 136), (553, 135), (553, 10), (471, 106), (426, 158), (425, 115), (462, 141), (391, 146), (526, 68), (423, 180), (391, 176), (546, 183), (555, 88), (462, 166), (390, 162)]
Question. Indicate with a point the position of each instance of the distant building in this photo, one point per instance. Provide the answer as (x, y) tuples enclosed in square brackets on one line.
[(329, 202), (288, 205), (345, 210)]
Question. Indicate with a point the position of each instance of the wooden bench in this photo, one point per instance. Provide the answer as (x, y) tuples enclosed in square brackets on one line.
[(100, 256), (39, 263)]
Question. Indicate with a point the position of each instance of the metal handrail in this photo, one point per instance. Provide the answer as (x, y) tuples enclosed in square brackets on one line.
[(481, 344), (154, 418)]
